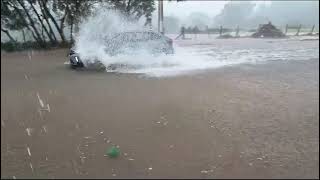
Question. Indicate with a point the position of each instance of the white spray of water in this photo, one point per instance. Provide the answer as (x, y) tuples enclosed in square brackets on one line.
[(104, 23)]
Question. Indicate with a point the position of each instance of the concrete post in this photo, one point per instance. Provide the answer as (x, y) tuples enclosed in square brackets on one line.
[(286, 31), (237, 31), (312, 29), (298, 31)]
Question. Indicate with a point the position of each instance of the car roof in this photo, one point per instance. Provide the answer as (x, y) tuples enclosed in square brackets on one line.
[(133, 32), (138, 31)]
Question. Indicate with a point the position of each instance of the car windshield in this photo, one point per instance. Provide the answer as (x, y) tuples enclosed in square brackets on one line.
[(136, 36)]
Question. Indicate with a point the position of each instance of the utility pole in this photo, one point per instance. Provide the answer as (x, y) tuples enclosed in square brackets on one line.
[(160, 17)]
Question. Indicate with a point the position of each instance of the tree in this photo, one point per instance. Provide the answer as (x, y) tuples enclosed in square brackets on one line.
[(66, 11), (17, 15), (50, 34), (78, 9), (234, 13), (47, 20), (14, 18), (198, 19), (133, 9), (7, 19), (32, 22)]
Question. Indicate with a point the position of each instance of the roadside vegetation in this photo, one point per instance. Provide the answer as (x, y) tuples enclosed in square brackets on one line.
[(52, 23)]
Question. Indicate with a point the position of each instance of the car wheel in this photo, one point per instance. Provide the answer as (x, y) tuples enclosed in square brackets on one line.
[(101, 67), (73, 67)]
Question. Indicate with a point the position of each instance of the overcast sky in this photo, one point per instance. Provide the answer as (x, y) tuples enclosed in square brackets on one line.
[(204, 12), (184, 8)]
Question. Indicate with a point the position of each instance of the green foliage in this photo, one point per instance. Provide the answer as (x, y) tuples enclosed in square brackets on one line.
[(10, 18), (133, 9), (8, 46), (45, 19)]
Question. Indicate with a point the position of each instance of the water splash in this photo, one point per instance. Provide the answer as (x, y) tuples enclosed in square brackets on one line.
[(190, 56), (194, 59), (103, 24)]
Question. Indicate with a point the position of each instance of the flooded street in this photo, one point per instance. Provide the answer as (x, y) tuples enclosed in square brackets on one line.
[(249, 109)]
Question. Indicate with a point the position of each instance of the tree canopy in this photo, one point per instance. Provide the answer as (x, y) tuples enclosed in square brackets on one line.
[(46, 20)]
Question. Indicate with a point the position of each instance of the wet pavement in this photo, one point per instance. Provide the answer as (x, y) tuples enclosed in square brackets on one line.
[(243, 121)]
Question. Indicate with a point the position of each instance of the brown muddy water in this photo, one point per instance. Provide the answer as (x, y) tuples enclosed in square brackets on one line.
[(242, 121)]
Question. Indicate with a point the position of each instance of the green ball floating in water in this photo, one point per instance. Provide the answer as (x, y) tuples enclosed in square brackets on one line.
[(113, 152)]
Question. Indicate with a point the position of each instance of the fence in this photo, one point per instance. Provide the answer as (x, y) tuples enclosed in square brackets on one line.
[(221, 31)]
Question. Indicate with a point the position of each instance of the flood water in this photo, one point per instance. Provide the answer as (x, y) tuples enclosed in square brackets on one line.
[(203, 52)]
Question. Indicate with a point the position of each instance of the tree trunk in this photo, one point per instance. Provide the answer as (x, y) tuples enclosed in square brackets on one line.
[(63, 39), (71, 29), (24, 36), (53, 41), (28, 27), (128, 8), (31, 23), (33, 35), (9, 35), (76, 28), (63, 18), (47, 21)]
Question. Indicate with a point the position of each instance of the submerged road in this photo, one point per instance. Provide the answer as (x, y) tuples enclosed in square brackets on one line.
[(243, 121)]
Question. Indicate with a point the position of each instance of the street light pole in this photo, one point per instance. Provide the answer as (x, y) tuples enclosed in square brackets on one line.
[(160, 17)]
